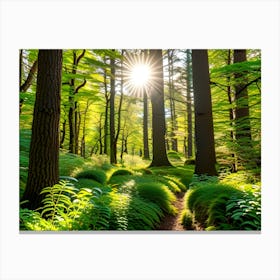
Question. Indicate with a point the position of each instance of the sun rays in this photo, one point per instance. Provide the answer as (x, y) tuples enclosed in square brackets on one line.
[(139, 74)]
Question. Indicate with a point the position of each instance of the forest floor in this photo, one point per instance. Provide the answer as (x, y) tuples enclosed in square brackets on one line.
[(171, 222)]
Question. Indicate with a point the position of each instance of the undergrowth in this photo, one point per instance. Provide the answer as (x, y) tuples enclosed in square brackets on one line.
[(227, 204)]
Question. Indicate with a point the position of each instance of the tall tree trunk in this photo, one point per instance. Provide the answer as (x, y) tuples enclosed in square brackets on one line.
[(158, 113), (113, 146), (145, 127), (242, 115), (120, 107), (72, 117), (189, 105), (174, 142), (204, 131), (44, 148), (107, 104), (231, 113)]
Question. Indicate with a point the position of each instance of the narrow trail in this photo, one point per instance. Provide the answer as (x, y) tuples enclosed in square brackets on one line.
[(172, 222)]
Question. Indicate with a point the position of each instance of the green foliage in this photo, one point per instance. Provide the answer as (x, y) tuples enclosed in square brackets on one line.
[(159, 194), (69, 163), (143, 215), (186, 219), (119, 206), (130, 212), (245, 213), (134, 161), (173, 155), (94, 174), (122, 171), (208, 199), (217, 206), (88, 183), (66, 208)]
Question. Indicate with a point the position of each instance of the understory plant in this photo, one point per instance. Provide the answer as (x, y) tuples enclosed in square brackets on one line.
[(217, 206), (67, 208)]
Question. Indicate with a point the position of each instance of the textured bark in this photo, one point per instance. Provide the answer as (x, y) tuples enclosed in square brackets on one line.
[(243, 136), (204, 132), (44, 148), (158, 113)]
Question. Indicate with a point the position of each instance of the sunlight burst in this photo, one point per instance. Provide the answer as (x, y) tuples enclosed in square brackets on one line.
[(138, 74)]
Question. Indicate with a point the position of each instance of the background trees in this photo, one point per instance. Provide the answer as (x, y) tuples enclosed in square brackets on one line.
[(101, 115)]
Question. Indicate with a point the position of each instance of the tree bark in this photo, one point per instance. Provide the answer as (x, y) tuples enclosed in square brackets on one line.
[(204, 131), (158, 113), (242, 114), (44, 148), (243, 127)]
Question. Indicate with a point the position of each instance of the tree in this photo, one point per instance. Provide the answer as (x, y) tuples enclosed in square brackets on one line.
[(145, 127), (204, 132), (189, 104), (113, 144), (242, 115), (158, 113), (44, 148)]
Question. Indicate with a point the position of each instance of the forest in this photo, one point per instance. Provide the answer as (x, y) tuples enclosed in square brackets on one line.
[(140, 139)]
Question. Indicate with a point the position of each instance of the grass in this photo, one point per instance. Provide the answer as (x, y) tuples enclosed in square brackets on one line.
[(158, 194), (95, 174)]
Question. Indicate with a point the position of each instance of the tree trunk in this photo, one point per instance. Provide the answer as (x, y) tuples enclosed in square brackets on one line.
[(107, 98), (204, 131), (158, 113), (189, 105), (242, 115), (113, 146), (231, 113), (44, 148), (72, 115), (145, 128)]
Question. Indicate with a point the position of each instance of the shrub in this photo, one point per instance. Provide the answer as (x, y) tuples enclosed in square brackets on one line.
[(209, 200), (244, 213), (159, 194), (121, 172), (143, 215), (174, 155), (94, 174), (169, 183), (66, 208), (88, 183)]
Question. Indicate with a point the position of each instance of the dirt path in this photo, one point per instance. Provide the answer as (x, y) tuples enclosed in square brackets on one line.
[(172, 222)]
